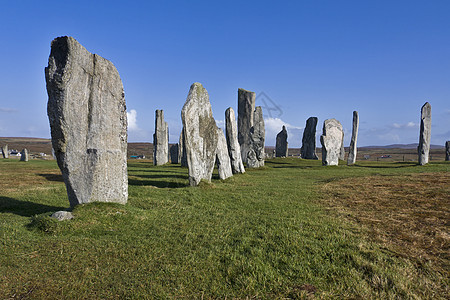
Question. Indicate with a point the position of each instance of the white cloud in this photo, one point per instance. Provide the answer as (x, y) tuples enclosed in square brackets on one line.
[(274, 125), (408, 125), (7, 110), (132, 120), (221, 124)]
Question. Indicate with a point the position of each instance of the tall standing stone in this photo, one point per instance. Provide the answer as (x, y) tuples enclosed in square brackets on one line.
[(5, 152), (234, 150), (24, 155), (173, 151), (447, 150), (246, 109), (88, 122), (255, 156), (182, 150), (200, 134), (160, 140), (425, 134), (351, 159), (281, 147), (308, 150), (331, 140), (342, 152), (222, 157)]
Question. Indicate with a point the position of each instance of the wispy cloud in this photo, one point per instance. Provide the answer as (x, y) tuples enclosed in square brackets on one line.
[(8, 110), (409, 125)]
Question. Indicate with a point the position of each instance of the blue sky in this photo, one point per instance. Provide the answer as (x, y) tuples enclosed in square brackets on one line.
[(384, 59)]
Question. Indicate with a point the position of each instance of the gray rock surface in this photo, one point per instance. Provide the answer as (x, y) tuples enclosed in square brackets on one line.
[(342, 152), (281, 146), (331, 140), (5, 152), (88, 122), (447, 150), (222, 157), (255, 156), (308, 150), (174, 154), (24, 155), (62, 215), (246, 110), (201, 137), (234, 150), (182, 158), (160, 140), (353, 149), (425, 134)]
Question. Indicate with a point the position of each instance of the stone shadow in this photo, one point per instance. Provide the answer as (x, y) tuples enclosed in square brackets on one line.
[(52, 177), (393, 166), (157, 183), (25, 208)]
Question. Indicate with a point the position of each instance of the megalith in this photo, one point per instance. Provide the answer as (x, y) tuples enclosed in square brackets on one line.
[(351, 159), (88, 122), (425, 134), (281, 146), (24, 155), (234, 150), (5, 152), (174, 155), (342, 152), (182, 150), (222, 157), (308, 150), (160, 140), (246, 109), (331, 140), (200, 139), (447, 150), (255, 156)]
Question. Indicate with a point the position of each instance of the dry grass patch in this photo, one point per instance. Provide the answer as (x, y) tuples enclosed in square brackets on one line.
[(409, 214)]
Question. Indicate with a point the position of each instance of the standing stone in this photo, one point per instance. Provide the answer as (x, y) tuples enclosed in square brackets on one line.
[(201, 137), (342, 152), (352, 150), (331, 140), (88, 122), (182, 158), (246, 109), (234, 150), (425, 134), (24, 155), (308, 150), (5, 151), (222, 157), (160, 140), (281, 148), (255, 156), (447, 150), (174, 158)]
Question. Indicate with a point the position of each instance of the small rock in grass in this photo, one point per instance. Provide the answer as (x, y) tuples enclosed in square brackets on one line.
[(62, 215)]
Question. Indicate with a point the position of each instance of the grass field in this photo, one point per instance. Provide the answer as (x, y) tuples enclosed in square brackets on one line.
[(293, 229)]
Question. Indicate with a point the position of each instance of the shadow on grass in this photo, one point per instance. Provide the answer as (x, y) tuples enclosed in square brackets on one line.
[(25, 208), (52, 177), (157, 183), (390, 166)]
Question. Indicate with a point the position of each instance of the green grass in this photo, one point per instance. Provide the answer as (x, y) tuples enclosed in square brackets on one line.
[(262, 234)]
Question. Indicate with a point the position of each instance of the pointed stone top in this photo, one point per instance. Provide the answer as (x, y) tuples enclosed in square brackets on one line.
[(284, 128), (244, 90)]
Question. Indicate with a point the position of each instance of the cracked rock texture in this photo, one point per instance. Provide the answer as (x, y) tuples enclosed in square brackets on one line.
[(351, 159), (246, 110), (425, 134), (222, 157), (331, 140), (160, 140), (88, 122), (308, 150), (234, 150), (255, 156)]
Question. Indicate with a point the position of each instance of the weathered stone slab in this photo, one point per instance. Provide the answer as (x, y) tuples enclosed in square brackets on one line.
[(308, 150), (222, 157), (425, 134), (24, 155), (353, 149), (342, 152), (160, 140), (173, 150), (331, 140), (88, 121), (246, 109), (182, 158), (281, 146), (5, 152), (255, 156), (234, 150), (447, 150), (62, 215), (200, 134)]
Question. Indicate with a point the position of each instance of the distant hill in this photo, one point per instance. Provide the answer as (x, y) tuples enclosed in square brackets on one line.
[(402, 146)]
